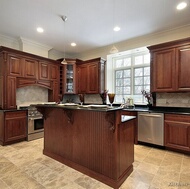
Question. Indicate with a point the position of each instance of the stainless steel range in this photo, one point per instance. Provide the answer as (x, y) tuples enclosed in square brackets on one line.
[(35, 124)]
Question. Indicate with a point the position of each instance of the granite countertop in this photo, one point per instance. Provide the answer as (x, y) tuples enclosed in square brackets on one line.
[(171, 110), (103, 108)]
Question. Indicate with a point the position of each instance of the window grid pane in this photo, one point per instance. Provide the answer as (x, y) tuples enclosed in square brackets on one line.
[(131, 77)]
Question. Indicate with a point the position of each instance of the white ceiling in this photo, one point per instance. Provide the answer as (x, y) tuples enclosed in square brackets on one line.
[(90, 22)]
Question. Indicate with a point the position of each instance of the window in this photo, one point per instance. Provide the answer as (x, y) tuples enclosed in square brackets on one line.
[(132, 75)]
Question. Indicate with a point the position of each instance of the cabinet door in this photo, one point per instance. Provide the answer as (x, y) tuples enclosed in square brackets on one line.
[(11, 93), (93, 78), (70, 78), (177, 135), (54, 72), (53, 95), (30, 68), (126, 145), (1, 92), (15, 125), (14, 65), (183, 62), (44, 73), (133, 113), (163, 71), (82, 79)]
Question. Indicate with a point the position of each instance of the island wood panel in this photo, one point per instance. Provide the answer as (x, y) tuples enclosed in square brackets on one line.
[(91, 142)]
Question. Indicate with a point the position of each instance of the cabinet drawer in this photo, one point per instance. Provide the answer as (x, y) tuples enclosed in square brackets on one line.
[(177, 117), (13, 115)]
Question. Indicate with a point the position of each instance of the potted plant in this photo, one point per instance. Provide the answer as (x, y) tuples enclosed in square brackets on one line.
[(148, 97)]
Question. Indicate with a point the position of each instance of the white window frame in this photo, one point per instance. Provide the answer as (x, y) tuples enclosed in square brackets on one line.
[(111, 70)]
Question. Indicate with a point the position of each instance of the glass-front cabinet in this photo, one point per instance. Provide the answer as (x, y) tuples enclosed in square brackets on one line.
[(67, 78), (70, 78)]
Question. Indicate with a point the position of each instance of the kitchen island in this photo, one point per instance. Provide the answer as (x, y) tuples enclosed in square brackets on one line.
[(96, 141)]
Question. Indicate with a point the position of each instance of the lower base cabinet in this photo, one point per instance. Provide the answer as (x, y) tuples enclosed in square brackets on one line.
[(13, 126), (177, 132), (133, 113)]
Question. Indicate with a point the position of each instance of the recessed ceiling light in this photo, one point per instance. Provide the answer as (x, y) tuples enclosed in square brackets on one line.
[(181, 5), (40, 30), (117, 28), (73, 44)]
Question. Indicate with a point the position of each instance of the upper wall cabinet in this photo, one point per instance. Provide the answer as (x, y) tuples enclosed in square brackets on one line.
[(20, 69), (170, 66), (21, 66), (91, 76), (68, 76), (14, 66)]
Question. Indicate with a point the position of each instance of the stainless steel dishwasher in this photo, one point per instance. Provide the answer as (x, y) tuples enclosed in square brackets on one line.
[(151, 128)]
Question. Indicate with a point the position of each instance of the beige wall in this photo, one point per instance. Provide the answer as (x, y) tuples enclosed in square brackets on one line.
[(146, 40)]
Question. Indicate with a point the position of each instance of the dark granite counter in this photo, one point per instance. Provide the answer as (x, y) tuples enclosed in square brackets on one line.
[(170, 110), (103, 108)]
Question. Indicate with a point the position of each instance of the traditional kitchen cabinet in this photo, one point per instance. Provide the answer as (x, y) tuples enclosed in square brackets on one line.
[(170, 66), (91, 76), (177, 132), (133, 113), (48, 71), (14, 65), (30, 67), (68, 76), (13, 126), (20, 69), (44, 72), (21, 66)]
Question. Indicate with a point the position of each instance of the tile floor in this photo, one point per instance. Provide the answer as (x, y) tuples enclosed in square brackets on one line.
[(23, 166)]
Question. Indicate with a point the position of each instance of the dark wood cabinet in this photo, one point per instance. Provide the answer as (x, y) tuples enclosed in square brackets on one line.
[(21, 66), (10, 98), (68, 76), (170, 66), (44, 71), (54, 72), (177, 132), (30, 68), (133, 113), (91, 76), (182, 67), (82, 78), (14, 65), (20, 69), (13, 127), (163, 70)]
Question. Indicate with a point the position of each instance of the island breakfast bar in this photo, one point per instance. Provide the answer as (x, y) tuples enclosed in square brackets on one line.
[(98, 142)]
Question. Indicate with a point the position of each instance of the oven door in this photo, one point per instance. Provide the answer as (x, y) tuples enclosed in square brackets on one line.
[(35, 124)]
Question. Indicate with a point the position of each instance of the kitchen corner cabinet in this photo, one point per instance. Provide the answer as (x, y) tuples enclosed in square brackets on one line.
[(177, 132), (13, 127), (170, 66), (68, 76), (91, 76), (20, 69)]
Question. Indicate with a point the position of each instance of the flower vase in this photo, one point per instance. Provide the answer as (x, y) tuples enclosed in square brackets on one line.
[(104, 101)]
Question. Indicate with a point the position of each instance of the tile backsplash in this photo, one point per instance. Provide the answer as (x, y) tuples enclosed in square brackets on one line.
[(30, 95), (173, 99)]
